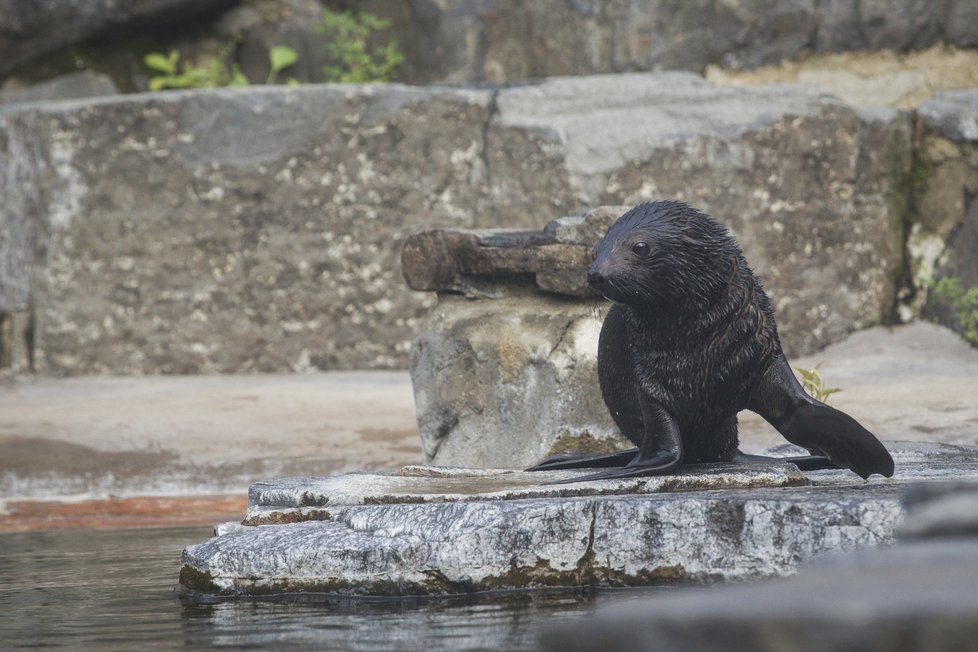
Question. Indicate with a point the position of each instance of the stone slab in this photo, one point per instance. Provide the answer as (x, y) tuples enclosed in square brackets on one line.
[(440, 540)]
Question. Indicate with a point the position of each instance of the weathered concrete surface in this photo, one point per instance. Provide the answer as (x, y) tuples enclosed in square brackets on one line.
[(457, 532), (248, 222), (90, 438), (916, 595)]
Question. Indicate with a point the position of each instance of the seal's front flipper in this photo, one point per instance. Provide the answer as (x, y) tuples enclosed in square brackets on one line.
[(834, 434), (661, 451), (821, 429), (585, 460)]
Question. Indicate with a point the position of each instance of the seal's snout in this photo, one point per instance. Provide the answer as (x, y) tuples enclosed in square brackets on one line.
[(597, 276)]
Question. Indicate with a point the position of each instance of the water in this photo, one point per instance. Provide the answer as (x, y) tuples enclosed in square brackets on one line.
[(117, 589)]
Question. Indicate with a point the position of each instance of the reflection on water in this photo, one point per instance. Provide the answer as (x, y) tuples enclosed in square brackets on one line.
[(117, 589)]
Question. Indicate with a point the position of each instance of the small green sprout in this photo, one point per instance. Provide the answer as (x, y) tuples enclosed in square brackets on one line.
[(280, 57), (814, 384)]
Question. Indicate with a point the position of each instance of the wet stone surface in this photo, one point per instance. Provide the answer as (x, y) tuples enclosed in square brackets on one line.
[(429, 531)]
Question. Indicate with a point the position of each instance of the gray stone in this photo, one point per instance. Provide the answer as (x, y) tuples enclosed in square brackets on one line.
[(450, 531), (488, 373), (73, 86), (15, 334), (248, 222), (943, 241), (954, 114), (32, 28), (917, 596)]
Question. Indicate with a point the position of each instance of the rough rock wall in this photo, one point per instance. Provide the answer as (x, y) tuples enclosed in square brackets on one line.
[(505, 40), (475, 41), (259, 229)]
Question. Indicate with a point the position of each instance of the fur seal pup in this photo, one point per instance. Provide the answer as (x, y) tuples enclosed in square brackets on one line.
[(689, 342)]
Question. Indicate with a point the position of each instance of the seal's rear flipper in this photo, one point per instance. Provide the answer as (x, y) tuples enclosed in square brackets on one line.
[(834, 434), (585, 460), (661, 463), (803, 462)]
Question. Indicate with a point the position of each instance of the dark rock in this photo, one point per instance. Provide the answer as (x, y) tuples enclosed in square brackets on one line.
[(29, 28), (288, 22)]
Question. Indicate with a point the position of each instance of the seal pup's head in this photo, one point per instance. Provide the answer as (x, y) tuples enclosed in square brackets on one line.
[(663, 252)]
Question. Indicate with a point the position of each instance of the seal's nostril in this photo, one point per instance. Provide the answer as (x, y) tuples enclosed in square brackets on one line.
[(595, 277)]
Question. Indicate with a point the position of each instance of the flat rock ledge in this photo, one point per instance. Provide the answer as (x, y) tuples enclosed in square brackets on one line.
[(442, 531)]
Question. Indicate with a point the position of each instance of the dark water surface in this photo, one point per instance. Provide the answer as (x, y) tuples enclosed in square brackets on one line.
[(117, 589)]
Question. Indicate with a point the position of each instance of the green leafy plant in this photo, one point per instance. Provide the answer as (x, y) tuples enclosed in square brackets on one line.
[(963, 301), (349, 46), (281, 57), (220, 71), (814, 384), (173, 75)]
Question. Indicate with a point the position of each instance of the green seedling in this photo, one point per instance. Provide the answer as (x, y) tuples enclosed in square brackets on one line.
[(814, 384)]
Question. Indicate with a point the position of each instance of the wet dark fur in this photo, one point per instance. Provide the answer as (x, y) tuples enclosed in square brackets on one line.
[(693, 330)]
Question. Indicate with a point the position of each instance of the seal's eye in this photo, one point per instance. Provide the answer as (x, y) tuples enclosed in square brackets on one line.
[(641, 249)]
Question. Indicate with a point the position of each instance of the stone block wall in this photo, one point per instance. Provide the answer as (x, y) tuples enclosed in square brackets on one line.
[(259, 229)]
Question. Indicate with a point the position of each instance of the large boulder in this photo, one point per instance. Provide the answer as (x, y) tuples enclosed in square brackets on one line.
[(258, 228)]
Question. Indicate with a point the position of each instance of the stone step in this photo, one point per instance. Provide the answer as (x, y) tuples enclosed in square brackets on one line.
[(457, 531)]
